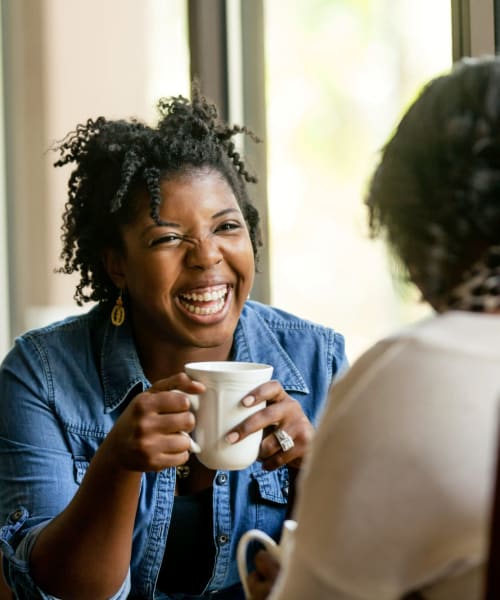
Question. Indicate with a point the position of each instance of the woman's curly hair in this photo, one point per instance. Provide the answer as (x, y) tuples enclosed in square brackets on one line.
[(115, 159), (435, 195)]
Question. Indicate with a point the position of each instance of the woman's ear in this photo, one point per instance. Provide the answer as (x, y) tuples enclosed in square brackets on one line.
[(113, 263)]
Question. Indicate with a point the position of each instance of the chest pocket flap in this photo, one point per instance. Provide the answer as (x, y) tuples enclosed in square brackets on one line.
[(273, 486)]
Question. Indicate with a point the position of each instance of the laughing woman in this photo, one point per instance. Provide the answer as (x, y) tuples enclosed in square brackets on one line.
[(160, 228)]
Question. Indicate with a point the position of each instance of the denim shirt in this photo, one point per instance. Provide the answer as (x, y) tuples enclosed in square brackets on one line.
[(63, 387)]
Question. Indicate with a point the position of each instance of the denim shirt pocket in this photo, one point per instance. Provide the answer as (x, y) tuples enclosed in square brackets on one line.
[(272, 489), (273, 486)]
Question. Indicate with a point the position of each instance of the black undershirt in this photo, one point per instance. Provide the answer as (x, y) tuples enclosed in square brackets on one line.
[(190, 551)]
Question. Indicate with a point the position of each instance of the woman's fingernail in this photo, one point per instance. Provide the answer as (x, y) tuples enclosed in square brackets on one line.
[(248, 401), (232, 437)]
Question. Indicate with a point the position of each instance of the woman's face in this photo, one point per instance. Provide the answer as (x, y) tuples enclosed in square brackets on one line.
[(187, 280)]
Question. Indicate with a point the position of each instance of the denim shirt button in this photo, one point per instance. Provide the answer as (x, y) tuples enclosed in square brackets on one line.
[(223, 539), (16, 515), (221, 479)]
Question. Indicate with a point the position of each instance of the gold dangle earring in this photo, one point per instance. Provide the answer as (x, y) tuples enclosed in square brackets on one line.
[(118, 312)]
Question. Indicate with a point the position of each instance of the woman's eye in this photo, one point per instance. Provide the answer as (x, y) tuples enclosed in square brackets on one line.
[(229, 226), (169, 239)]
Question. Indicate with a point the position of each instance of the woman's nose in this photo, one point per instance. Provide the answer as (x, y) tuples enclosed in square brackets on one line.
[(204, 254)]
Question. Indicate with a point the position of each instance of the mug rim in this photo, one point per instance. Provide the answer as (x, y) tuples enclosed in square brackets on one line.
[(227, 366)]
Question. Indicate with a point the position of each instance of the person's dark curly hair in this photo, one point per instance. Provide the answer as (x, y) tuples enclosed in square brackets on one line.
[(435, 194), (115, 159)]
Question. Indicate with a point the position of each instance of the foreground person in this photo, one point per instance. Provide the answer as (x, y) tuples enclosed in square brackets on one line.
[(395, 501), (160, 228)]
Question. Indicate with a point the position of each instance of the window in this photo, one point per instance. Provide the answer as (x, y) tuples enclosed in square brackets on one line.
[(339, 75)]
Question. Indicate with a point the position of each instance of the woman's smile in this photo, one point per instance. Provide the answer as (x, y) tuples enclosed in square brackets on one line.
[(205, 304)]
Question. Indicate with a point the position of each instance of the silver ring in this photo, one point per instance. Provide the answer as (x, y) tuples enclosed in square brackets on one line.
[(284, 440)]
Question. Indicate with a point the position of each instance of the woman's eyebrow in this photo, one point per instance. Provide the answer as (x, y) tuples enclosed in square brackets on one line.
[(159, 224), (225, 211)]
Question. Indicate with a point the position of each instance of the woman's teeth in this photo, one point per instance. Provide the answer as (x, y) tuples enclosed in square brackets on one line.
[(214, 298), (205, 296), (205, 310)]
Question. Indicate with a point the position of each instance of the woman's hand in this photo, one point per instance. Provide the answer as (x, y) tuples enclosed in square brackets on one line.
[(147, 436), (261, 581), (282, 412)]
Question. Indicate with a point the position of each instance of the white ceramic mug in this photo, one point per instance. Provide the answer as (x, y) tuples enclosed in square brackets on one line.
[(256, 535), (219, 409)]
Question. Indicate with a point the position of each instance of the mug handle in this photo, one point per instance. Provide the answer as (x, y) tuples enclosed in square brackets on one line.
[(251, 536), (195, 402)]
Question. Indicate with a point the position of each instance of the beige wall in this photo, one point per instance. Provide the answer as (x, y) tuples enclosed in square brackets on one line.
[(67, 60)]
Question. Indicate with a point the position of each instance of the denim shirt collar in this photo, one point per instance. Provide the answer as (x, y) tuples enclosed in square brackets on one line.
[(120, 366), (254, 341)]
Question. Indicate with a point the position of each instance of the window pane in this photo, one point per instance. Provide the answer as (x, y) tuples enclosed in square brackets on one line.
[(339, 75)]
